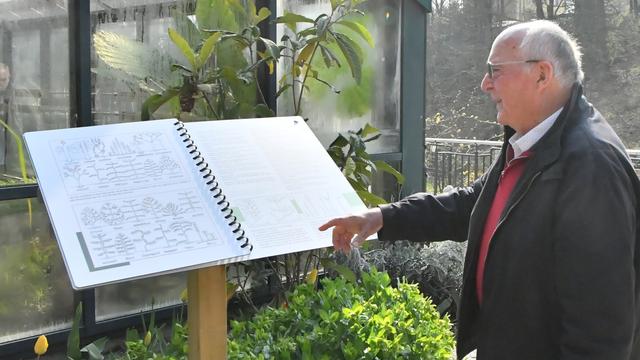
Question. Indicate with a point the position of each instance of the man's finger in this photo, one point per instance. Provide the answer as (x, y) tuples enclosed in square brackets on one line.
[(330, 223)]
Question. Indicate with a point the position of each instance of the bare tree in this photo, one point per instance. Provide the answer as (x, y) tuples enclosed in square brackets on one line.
[(591, 30), (539, 9), (551, 11)]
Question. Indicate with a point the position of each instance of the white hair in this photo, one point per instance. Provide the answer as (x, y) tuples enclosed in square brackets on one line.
[(545, 40)]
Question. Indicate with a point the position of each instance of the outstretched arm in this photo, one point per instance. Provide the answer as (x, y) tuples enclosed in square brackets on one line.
[(353, 229)]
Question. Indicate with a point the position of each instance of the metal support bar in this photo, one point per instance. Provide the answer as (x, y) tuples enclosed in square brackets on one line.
[(412, 94), (267, 82), (80, 63), (14, 192)]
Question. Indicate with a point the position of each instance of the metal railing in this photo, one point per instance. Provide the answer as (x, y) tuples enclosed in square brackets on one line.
[(458, 162)]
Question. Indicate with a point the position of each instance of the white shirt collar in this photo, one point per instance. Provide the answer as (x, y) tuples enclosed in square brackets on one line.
[(522, 143)]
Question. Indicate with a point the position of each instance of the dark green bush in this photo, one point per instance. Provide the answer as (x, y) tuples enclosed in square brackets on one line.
[(343, 320)]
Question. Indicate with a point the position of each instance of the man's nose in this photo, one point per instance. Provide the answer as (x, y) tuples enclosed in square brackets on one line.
[(487, 83)]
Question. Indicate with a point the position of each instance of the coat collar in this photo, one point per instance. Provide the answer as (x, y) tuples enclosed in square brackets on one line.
[(548, 148)]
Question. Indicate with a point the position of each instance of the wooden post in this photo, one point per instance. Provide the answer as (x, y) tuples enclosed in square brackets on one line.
[(207, 308)]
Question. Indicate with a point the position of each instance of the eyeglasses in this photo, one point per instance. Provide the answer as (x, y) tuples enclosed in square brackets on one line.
[(491, 67)]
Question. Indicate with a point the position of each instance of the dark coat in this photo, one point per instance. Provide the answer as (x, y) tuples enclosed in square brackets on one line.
[(563, 271)]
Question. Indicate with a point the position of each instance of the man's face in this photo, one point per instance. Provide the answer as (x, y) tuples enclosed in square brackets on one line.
[(512, 86), (4, 77)]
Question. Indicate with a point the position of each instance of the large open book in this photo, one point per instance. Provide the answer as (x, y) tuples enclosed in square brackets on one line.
[(138, 199)]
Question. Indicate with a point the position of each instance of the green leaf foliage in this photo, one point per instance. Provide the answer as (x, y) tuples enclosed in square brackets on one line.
[(358, 29), (383, 166), (291, 19), (73, 341), (350, 155), (154, 102), (352, 53), (346, 320), (184, 47), (94, 350), (207, 49)]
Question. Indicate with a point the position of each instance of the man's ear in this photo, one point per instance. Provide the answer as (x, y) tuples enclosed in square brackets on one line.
[(544, 71)]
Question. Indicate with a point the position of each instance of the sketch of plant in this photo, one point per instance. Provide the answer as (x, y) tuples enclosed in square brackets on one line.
[(151, 168), (141, 236), (89, 216), (183, 228), (189, 201), (150, 203), (172, 209), (124, 245), (99, 149), (75, 172), (132, 210), (111, 214), (167, 164), (104, 249), (148, 138)]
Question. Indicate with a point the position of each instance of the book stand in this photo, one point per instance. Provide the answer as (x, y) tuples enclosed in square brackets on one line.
[(207, 313)]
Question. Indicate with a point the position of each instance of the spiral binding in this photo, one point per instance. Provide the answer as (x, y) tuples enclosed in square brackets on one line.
[(225, 206)]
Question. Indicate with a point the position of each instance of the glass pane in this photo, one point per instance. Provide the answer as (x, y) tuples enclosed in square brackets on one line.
[(118, 96), (35, 293), (134, 36), (376, 100), (135, 296), (34, 58)]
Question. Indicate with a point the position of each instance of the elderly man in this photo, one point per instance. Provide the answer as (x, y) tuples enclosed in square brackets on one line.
[(5, 76), (552, 269)]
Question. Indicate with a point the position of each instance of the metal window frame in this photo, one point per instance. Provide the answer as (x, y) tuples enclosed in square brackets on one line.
[(411, 156)]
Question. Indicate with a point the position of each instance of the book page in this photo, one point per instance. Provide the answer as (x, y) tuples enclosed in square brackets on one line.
[(127, 201), (279, 179)]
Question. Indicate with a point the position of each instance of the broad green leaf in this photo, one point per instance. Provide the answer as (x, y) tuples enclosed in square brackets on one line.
[(184, 47), (368, 130), (349, 167), (263, 110), (218, 14), (343, 270), (73, 341), (328, 56), (340, 141), (186, 27), (305, 53), (95, 349), (308, 32), (352, 53), (370, 199), (359, 29), (207, 49), (291, 19), (322, 24), (270, 48), (266, 59), (154, 102), (383, 166), (263, 13)]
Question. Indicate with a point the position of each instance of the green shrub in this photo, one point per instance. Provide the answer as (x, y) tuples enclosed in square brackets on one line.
[(343, 320)]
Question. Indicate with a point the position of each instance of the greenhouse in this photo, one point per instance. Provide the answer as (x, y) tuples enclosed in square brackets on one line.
[(297, 112)]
